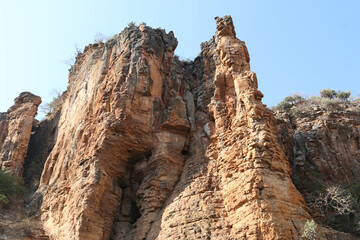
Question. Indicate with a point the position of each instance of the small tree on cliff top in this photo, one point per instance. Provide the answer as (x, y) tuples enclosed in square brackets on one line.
[(331, 94), (343, 95), (49, 107), (328, 93)]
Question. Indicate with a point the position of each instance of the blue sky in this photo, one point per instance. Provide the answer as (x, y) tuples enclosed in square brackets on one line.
[(295, 46)]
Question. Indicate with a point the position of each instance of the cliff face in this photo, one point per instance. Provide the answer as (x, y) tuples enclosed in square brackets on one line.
[(148, 147), (15, 132), (327, 142), (122, 135), (323, 148), (229, 186)]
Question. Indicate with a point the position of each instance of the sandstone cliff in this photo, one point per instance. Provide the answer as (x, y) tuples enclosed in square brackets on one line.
[(325, 141), (323, 147), (15, 132), (148, 147), (121, 136)]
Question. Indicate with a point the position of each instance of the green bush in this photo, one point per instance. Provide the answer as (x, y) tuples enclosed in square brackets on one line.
[(354, 190), (331, 94), (294, 99), (309, 231), (344, 96), (328, 93), (284, 106), (288, 104), (336, 200), (9, 185), (295, 111), (329, 102)]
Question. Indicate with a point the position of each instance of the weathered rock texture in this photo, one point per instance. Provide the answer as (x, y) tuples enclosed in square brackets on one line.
[(148, 147), (15, 132), (327, 142), (323, 148), (121, 134)]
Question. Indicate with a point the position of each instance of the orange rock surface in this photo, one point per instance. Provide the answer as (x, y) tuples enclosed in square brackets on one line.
[(149, 147), (15, 132)]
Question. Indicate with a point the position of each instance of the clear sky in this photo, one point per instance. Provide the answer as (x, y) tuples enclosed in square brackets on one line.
[(295, 46)]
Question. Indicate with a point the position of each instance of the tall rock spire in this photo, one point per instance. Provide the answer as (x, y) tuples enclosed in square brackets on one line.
[(259, 195), (15, 126)]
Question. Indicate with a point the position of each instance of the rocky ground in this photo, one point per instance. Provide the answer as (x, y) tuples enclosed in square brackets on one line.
[(15, 224)]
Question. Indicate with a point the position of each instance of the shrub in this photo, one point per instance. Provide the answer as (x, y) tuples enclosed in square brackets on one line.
[(78, 50), (294, 99), (71, 61), (9, 185), (344, 96), (284, 106), (354, 191), (309, 231), (288, 104), (99, 38), (337, 199), (330, 103), (330, 100), (354, 188), (295, 111), (340, 203), (314, 100), (328, 93), (55, 103)]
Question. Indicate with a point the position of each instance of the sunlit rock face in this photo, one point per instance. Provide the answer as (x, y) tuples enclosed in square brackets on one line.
[(149, 147), (15, 132), (122, 138)]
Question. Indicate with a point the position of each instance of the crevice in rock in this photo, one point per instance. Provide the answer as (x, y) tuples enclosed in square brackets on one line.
[(40, 145), (129, 212)]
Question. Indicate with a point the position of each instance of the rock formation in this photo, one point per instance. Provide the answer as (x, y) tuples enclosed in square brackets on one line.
[(323, 148), (121, 136), (148, 147), (327, 142), (15, 132)]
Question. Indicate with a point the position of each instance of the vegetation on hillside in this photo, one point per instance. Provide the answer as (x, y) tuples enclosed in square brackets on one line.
[(329, 100), (336, 205), (9, 185)]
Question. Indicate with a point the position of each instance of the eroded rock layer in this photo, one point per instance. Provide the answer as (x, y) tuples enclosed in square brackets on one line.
[(326, 142), (323, 148), (148, 147), (121, 136), (15, 132), (230, 185)]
